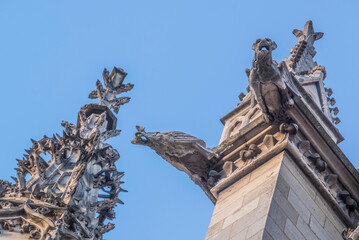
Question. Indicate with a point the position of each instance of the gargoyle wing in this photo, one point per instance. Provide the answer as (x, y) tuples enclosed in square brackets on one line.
[(287, 77), (180, 137)]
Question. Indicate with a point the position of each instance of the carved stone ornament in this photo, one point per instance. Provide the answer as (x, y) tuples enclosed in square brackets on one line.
[(351, 234), (185, 152), (267, 82), (71, 195)]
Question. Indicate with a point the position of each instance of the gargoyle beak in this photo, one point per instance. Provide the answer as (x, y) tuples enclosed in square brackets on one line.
[(140, 138)]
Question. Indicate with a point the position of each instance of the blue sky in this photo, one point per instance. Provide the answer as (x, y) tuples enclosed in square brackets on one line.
[(186, 59)]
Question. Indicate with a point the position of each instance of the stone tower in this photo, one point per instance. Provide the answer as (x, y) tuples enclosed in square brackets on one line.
[(277, 172)]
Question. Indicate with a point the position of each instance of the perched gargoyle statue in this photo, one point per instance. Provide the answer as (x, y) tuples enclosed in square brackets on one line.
[(185, 152), (266, 81)]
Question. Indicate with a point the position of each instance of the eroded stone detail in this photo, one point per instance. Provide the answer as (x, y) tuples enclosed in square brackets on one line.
[(252, 152), (267, 85), (71, 193), (329, 180), (185, 152), (351, 234)]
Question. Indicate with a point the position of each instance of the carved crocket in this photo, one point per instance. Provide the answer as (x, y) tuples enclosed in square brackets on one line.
[(266, 83), (185, 152)]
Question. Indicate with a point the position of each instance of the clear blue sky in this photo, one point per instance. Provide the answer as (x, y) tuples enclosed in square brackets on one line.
[(186, 59)]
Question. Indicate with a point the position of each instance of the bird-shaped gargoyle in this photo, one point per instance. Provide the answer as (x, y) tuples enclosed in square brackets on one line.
[(267, 81), (114, 86), (185, 152)]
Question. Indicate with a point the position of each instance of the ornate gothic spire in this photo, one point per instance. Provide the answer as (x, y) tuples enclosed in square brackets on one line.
[(71, 195)]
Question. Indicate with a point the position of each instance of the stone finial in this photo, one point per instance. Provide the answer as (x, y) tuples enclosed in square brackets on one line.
[(301, 59), (114, 86), (308, 34)]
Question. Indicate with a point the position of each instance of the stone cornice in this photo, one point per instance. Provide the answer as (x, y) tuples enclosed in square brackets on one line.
[(299, 150), (326, 147)]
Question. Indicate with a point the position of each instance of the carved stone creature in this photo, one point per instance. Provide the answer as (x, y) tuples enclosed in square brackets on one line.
[(266, 83), (213, 177), (348, 201), (185, 152), (252, 151)]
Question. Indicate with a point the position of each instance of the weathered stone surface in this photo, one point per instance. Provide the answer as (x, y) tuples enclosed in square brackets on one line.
[(245, 205), (185, 152), (267, 86), (301, 212)]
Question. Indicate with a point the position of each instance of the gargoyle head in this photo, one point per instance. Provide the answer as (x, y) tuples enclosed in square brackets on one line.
[(263, 49), (146, 139)]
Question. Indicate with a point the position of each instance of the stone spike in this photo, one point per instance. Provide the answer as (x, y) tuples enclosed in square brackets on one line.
[(58, 136), (329, 91), (105, 74), (241, 96)]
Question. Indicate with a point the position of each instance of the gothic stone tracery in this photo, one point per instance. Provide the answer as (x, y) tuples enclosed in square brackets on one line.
[(74, 193)]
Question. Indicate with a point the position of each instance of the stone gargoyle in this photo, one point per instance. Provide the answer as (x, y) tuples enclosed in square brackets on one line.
[(185, 152), (267, 81)]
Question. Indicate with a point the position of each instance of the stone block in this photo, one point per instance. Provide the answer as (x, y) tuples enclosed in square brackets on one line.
[(266, 188), (286, 206), (268, 168), (214, 229), (331, 229), (250, 219), (299, 175), (319, 230), (292, 232), (282, 185), (277, 214), (234, 187), (243, 211), (299, 206), (257, 236), (230, 208), (299, 188), (266, 236), (239, 236), (222, 235), (257, 227), (274, 231), (304, 228), (329, 213)]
